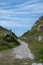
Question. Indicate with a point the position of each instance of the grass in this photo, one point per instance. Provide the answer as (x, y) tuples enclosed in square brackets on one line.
[(16, 62), (6, 44), (31, 37)]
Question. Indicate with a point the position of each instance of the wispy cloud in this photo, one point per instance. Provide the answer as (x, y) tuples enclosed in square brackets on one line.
[(21, 14)]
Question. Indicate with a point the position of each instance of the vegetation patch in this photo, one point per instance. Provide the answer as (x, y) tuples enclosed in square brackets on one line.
[(31, 37), (8, 39)]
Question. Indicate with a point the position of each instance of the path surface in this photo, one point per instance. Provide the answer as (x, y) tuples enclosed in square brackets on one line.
[(37, 64), (22, 51), (19, 52), (17, 56)]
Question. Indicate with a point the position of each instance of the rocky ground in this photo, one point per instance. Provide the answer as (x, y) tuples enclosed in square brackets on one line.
[(20, 55)]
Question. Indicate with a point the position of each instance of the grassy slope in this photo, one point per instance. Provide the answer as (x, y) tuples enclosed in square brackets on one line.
[(4, 43), (35, 45)]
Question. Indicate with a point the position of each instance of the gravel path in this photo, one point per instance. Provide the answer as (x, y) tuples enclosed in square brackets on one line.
[(19, 56), (37, 64), (19, 52), (22, 51)]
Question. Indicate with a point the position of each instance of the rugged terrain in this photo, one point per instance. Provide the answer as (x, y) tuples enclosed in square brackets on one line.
[(29, 52), (7, 39), (20, 55), (34, 38)]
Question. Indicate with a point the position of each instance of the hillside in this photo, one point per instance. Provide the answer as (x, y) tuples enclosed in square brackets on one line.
[(34, 38), (7, 39)]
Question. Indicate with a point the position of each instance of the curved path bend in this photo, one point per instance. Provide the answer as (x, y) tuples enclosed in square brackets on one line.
[(22, 51), (19, 52)]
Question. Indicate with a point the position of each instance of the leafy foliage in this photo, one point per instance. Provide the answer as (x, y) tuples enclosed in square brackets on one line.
[(7, 39)]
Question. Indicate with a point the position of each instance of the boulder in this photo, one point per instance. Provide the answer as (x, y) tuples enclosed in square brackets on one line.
[(40, 27), (40, 38)]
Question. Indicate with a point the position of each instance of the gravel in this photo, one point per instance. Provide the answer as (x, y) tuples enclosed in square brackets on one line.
[(22, 51)]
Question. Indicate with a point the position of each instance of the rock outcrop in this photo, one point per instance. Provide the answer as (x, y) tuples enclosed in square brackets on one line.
[(40, 27), (40, 38)]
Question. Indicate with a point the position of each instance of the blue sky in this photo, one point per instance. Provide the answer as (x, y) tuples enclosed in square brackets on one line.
[(20, 15)]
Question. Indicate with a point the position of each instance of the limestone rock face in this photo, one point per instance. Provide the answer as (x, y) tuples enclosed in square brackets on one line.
[(40, 27), (40, 38)]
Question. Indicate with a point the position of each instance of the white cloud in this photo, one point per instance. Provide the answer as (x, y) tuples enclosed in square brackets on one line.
[(13, 24), (20, 15)]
